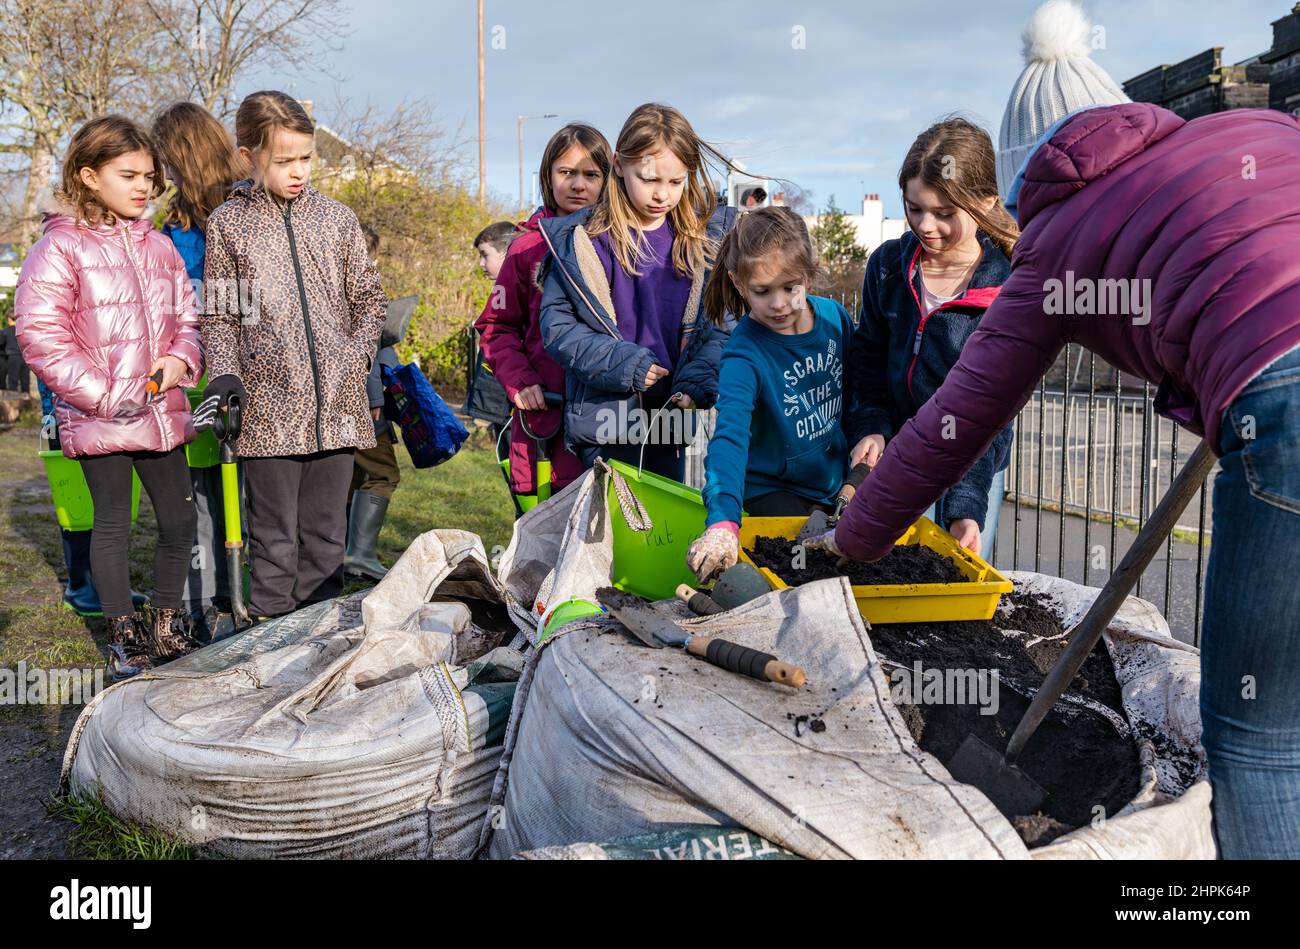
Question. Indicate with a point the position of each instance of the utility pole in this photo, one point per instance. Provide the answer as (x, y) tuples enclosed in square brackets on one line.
[(523, 207), (482, 166)]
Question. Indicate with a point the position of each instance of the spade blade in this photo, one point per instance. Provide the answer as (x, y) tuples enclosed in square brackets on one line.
[(1011, 790), (816, 525)]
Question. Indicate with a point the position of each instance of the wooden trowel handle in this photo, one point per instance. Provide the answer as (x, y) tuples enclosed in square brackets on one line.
[(749, 662), (854, 481), (701, 604)]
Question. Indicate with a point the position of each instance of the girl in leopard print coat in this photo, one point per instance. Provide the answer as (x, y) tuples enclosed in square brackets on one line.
[(295, 309)]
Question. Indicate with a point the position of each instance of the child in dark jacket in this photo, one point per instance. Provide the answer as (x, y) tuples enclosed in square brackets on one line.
[(575, 167), (621, 307), (779, 447), (922, 297)]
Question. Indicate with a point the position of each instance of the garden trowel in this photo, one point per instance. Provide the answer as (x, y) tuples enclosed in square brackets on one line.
[(819, 522), (657, 632)]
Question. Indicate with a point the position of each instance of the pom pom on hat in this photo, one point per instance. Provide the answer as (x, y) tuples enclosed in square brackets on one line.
[(1059, 78), (1059, 29)]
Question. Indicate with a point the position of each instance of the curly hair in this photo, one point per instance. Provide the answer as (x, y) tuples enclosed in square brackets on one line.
[(93, 146)]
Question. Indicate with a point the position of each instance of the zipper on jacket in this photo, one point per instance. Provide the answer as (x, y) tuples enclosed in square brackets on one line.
[(154, 407), (574, 283), (306, 320), (920, 327)]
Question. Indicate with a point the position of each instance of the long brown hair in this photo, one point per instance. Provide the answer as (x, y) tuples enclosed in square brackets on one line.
[(649, 128), (262, 113), (93, 146), (955, 157), (589, 140), (760, 235), (200, 155)]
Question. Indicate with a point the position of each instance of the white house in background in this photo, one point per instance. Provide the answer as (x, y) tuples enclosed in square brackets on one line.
[(9, 264), (871, 227)]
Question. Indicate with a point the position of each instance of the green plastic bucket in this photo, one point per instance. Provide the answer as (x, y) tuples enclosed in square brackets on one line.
[(72, 505), (567, 612), (652, 563), (205, 450)]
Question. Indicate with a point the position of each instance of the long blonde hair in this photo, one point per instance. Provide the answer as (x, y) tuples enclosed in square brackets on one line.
[(198, 151), (648, 129)]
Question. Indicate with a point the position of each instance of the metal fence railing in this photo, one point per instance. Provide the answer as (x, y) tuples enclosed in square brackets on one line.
[(1088, 465)]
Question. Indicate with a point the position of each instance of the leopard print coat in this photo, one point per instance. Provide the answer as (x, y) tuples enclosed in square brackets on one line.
[(292, 306)]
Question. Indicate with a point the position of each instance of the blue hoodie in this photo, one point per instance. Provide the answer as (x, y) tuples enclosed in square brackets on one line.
[(780, 414), (604, 374)]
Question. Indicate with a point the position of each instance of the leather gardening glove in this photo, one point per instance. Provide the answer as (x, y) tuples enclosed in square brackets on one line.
[(714, 551)]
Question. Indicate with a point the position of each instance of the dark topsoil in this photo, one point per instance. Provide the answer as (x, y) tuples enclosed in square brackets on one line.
[(1076, 754), (910, 564)]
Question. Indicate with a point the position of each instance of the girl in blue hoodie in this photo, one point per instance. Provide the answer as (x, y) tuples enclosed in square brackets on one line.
[(779, 447), (621, 298)]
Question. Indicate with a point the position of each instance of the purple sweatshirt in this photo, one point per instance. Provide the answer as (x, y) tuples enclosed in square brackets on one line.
[(1196, 224), (649, 308)]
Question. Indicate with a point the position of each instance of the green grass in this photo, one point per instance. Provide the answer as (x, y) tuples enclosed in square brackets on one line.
[(100, 835), (468, 492)]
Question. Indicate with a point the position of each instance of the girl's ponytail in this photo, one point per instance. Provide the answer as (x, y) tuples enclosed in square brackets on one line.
[(720, 294)]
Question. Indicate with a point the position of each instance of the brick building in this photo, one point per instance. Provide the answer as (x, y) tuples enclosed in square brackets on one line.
[(1202, 84)]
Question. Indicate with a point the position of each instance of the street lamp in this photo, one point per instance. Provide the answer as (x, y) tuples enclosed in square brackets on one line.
[(523, 208)]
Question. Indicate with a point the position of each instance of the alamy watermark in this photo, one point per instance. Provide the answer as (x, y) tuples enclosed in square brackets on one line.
[(33, 685), (1098, 297), (920, 686)]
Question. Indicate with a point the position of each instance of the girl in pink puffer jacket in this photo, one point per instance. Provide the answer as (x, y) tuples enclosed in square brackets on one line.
[(107, 319)]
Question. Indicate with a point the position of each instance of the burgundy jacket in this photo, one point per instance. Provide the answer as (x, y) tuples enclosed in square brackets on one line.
[(1204, 214), (511, 335)]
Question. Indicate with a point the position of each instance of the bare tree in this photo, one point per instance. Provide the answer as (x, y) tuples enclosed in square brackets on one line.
[(216, 41), (62, 63)]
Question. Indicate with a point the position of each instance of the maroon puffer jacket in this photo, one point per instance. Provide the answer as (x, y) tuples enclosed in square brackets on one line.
[(1205, 214)]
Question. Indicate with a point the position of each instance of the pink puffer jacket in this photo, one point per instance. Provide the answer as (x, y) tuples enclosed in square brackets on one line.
[(95, 306)]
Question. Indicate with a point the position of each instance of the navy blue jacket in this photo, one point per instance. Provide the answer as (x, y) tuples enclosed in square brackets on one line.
[(900, 358), (603, 372)]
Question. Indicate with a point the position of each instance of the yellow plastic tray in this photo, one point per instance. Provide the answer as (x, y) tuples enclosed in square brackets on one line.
[(904, 602)]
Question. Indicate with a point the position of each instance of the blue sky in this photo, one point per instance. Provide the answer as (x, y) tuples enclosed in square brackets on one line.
[(836, 117)]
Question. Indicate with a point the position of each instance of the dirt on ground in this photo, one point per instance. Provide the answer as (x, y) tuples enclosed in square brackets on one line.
[(36, 631)]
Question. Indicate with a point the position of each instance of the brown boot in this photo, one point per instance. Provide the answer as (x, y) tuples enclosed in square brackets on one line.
[(128, 648), (173, 634)]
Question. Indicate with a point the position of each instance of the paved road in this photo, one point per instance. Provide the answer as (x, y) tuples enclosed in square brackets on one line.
[(1180, 608)]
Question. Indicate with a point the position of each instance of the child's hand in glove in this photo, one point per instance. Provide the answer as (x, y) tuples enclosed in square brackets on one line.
[(714, 551), (223, 387)]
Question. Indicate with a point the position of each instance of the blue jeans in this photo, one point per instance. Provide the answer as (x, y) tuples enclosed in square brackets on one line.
[(1250, 645), (990, 532)]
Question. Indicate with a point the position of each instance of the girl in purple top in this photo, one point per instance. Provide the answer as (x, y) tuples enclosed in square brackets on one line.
[(621, 299)]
